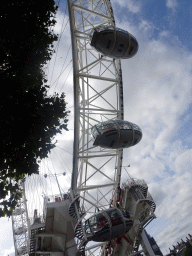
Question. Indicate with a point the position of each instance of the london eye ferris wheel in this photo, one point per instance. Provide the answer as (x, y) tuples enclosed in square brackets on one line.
[(95, 213)]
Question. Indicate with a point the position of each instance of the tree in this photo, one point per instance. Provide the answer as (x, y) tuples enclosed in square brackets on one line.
[(29, 118), (187, 252)]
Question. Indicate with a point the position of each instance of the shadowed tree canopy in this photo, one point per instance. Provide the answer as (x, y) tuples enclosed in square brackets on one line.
[(29, 118), (187, 251)]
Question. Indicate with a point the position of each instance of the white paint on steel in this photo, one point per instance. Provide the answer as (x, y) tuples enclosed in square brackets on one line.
[(20, 226), (98, 96)]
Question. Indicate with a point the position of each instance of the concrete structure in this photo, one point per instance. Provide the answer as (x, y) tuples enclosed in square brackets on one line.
[(149, 245), (53, 232)]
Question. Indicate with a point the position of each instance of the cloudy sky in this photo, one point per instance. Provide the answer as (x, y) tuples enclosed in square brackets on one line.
[(158, 90), (157, 94)]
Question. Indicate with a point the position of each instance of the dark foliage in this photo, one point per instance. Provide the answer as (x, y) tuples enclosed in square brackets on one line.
[(187, 251), (29, 118)]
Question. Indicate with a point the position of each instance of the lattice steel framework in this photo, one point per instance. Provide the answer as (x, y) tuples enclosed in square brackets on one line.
[(98, 96), (20, 227)]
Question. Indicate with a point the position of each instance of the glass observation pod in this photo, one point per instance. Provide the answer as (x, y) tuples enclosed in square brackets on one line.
[(108, 224), (114, 42), (116, 134)]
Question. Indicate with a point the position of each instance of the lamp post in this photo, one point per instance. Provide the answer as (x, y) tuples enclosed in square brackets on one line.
[(55, 175)]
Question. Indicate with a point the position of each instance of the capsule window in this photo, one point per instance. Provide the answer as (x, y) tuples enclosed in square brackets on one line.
[(136, 127), (107, 33), (116, 218), (95, 132), (109, 44), (127, 214), (111, 134), (125, 126), (95, 223), (87, 227), (102, 221), (121, 45)]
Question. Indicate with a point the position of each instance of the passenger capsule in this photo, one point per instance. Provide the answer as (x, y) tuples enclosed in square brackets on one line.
[(108, 224), (113, 42), (116, 134)]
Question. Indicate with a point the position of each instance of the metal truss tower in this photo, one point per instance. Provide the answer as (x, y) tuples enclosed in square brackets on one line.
[(20, 227)]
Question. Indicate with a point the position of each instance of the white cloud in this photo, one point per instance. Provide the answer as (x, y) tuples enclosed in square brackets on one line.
[(6, 237), (183, 163), (9, 252), (164, 33), (145, 26), (172, 196), (131, 5), (172, 4), (62, 19)]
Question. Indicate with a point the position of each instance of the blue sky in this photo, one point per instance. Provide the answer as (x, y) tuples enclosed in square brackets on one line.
[(172, 16), (158, 97)]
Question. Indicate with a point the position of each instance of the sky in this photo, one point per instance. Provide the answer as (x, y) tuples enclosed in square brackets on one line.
[(157, 97)]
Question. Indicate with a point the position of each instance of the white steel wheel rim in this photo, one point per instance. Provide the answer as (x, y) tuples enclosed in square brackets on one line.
[(98, 96)]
